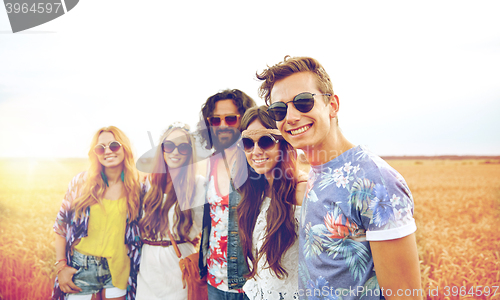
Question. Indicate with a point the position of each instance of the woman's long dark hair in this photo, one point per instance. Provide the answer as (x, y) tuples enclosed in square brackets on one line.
[(155, 219), (280, 231)]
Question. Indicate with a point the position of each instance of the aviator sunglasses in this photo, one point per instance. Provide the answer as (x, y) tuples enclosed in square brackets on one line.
[(169, 147), (265, 142), (303, 102), (230, 120), (113, 146)]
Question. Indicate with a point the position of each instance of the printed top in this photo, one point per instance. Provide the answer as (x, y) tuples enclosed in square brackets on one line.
[(350, 200), (217, 255), (236, 263)]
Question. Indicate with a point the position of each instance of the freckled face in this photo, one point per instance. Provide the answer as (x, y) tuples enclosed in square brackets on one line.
[(304, 129), (262, 161), (110, 159), (175, 159)]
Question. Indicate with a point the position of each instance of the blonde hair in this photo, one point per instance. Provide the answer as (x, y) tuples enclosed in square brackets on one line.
[(155, 219), (94, 186)]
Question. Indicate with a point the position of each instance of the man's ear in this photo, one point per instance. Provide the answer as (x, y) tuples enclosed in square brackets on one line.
[(333, 106)]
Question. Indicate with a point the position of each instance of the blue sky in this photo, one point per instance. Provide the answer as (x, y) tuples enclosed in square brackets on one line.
[(416, 78)]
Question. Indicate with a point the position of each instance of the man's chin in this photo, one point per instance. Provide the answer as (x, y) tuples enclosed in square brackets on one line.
[(225, 143)]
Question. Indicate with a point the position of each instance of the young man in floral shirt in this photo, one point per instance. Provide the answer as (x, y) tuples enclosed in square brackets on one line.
[(221, 257), (357, 229)]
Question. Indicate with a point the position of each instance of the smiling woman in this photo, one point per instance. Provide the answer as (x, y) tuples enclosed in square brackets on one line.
[(269, 209), (173, 188), (109, 192)]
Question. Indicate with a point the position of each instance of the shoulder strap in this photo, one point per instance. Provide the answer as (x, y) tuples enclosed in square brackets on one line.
[(172, 240)]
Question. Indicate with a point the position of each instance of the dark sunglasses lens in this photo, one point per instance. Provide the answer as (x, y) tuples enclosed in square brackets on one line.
[(277, 111), (184, 149), (99, 149), (215, 121), (168, 147), (114, 146), (231, 120), (304, 102), (266, 143), (247, 144)]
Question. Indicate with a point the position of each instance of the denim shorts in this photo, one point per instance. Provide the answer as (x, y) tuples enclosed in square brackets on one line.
[(92, 273)]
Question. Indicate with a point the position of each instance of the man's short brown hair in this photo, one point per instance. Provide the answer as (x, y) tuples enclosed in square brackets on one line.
[(289, 66)]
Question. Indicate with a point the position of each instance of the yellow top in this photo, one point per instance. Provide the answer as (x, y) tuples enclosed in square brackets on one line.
[(106, 238)]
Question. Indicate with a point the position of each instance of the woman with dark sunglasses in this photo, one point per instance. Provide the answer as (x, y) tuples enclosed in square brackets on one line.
[(97, 243), (269, 210), (173, 203)]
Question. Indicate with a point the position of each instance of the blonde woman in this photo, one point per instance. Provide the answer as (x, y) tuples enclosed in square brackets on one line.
[(97, 243), (173, 189)]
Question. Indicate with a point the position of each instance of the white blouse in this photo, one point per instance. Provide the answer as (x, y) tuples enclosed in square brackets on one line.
[(160, 276), (265, 284)]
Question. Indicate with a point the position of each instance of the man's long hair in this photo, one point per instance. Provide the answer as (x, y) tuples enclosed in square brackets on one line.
[(154, 222), (240, 99), (281, 224), (94, 187)]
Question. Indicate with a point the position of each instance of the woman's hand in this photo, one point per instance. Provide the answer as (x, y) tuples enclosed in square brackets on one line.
[(65, 273), (66, 280)]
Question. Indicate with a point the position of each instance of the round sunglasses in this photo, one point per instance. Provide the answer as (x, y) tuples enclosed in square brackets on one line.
[(169, 147), (265, 142), (230, 120), (303, 102), (113, 146)]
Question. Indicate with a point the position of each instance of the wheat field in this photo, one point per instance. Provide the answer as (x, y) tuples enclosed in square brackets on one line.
[(457, 210)]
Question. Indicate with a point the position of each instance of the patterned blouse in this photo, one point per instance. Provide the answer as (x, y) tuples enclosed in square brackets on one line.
[(73, 229), (219, 213)]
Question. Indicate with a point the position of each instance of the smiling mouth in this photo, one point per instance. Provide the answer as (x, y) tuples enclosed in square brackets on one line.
[(224, 132), (109, 157), (300, 130), (259, 161)]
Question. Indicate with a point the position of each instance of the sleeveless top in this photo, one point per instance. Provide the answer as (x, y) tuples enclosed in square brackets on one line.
[(105, 238)]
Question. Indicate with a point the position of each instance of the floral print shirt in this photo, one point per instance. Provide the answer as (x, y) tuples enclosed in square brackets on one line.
[(217, 256), (350, 200)]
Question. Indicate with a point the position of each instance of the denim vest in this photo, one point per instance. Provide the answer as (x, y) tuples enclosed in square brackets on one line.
[(236, 263)]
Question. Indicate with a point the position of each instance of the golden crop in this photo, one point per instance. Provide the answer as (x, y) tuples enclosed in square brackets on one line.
[(457, 209), (31, 192)]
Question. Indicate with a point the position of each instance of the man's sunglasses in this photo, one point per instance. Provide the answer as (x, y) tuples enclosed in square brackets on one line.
[(303, 102), (230, 120), (169, 147), (265, 142), (113, 146)]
